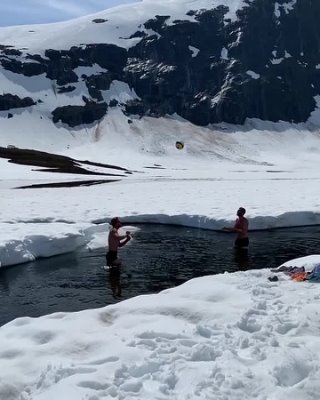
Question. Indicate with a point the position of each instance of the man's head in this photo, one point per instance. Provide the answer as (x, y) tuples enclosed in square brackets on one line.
[(115, 222), (241, 212)]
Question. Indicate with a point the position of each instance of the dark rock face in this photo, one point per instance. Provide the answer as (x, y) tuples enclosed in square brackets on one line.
[(99, 20), (24, 68), (263, 64), (66, 89), (209, 88), (96, 83), (9, 50), (135, 107), (59, 65), (9, 101), (79, 115)]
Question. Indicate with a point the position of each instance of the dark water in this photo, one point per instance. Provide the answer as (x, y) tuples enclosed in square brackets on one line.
[(159, 257)]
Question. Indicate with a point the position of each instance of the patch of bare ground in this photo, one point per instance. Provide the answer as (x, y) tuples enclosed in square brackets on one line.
[(49, 162), (67, 184), (57, 163)]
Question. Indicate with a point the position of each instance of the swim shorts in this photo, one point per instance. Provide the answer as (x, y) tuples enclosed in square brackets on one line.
[(111, 257), (241, 243)]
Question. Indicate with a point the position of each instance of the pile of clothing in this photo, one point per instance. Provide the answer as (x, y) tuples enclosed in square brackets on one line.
[(298, 274)]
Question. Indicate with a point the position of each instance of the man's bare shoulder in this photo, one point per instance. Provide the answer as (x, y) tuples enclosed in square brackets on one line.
[(245, 223), (113, 232), (242, 221)]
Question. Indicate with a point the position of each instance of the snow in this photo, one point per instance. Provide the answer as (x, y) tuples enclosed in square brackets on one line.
[(225, 337), (224, 54), (23, 242), (287, 7), (194, 51), (119, 91), (229, 336), (122, 22), (277, 12), (276, 60), (308, 262), (253, 74), (271, 168)]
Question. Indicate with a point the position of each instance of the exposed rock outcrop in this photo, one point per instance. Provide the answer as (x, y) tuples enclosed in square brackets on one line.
[(207, 68), (9, 101), (79, 115)]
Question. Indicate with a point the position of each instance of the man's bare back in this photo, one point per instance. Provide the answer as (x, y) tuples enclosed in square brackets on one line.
[(241, 228)]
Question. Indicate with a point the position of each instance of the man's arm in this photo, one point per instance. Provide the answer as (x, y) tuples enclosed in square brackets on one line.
[(115, 234), (127, 238), (237, 228), (121, 237)]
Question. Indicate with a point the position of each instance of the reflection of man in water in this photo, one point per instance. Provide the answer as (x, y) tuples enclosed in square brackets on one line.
[(241, 258), (115, 241), (115, 282), (241, 228)]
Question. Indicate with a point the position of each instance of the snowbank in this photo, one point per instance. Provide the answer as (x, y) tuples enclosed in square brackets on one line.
[(229, 336), (24, 242)]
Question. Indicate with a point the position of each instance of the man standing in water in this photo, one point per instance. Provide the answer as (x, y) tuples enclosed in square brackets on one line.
[(115, 241), (241, 228)]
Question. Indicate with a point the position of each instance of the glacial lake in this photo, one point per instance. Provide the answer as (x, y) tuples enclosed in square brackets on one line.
[(159, 257)]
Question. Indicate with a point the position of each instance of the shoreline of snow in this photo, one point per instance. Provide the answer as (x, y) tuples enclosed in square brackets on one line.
[(22, 242), (287, 220)]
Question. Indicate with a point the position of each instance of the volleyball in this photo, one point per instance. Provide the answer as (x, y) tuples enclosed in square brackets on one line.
[(179, 145)]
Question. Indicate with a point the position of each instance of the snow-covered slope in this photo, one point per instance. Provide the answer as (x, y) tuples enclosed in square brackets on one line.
[(207, 61), (120, 23)]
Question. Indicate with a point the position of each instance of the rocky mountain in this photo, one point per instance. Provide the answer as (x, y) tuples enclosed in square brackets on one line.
[(212, 61)]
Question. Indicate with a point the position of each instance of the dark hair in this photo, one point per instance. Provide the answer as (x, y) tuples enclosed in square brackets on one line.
[(243, 210), (114, 220)]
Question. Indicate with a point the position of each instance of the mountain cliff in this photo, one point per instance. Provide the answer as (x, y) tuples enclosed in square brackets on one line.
[(207, 61)]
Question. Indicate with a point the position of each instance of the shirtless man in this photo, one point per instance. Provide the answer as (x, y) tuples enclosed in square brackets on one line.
[(241, 228), (115, 241)]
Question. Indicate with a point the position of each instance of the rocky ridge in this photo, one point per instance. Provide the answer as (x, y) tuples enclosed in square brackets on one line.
[(263, 64)]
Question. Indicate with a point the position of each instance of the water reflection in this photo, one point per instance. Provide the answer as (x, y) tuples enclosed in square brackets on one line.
[(4, 284), (115, 282), (241, 258), (159, 257)]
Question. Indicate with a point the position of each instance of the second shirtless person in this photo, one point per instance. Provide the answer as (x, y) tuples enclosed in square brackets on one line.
[(115, 241), (241, 228)]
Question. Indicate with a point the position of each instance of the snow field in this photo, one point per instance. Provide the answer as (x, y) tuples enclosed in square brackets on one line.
[(230, 336)]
